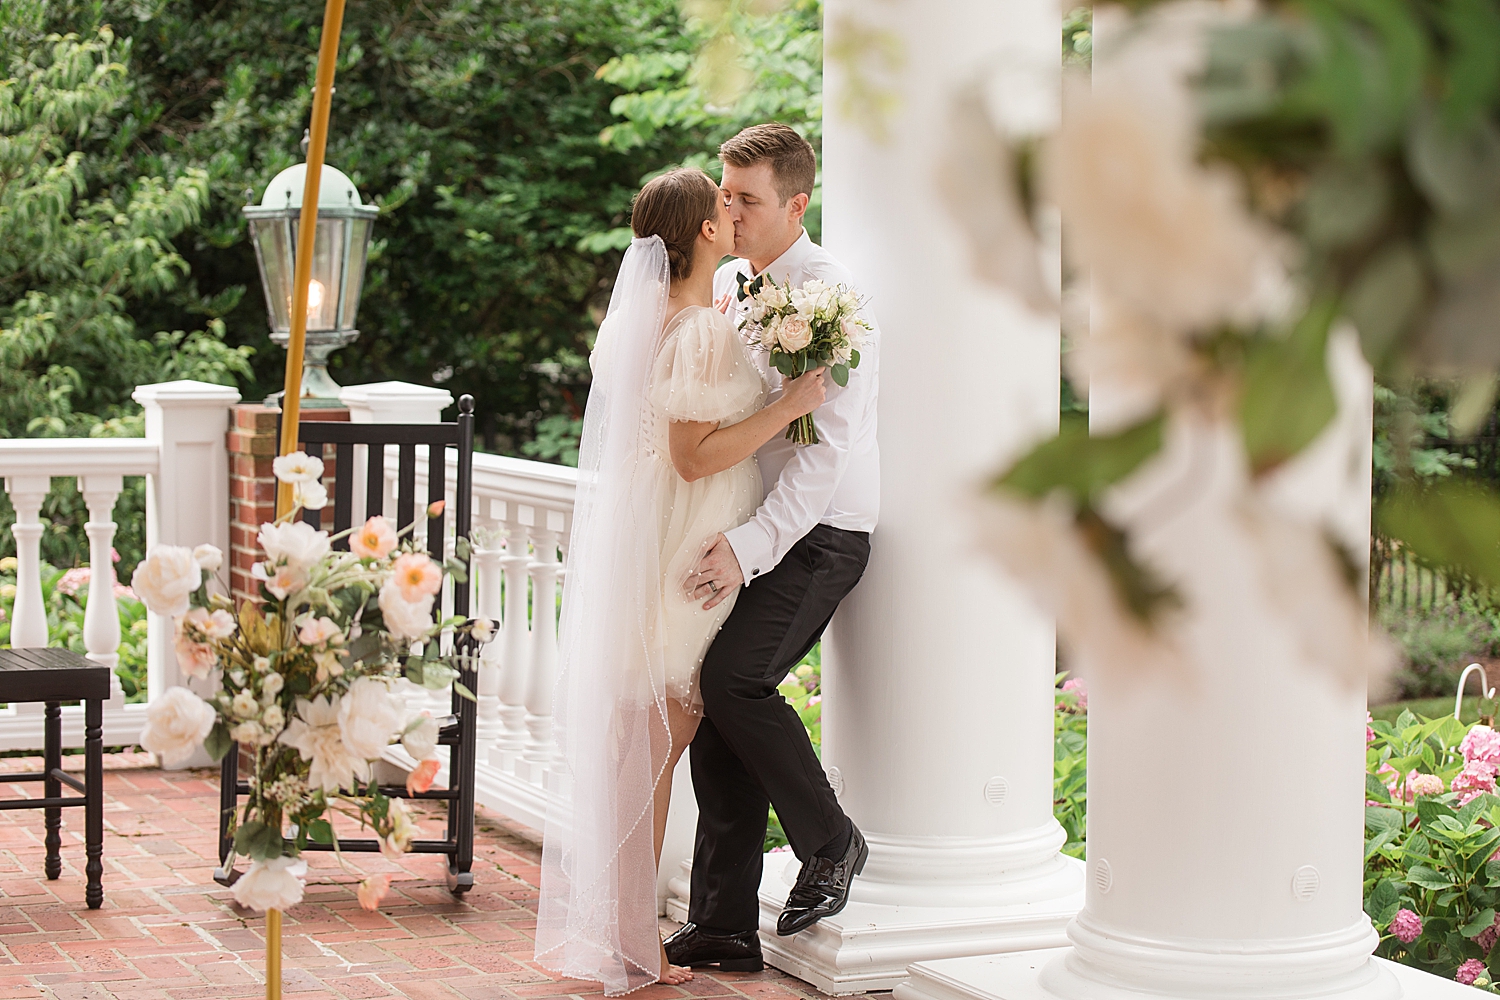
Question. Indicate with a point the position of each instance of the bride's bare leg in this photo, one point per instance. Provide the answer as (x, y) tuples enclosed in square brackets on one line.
[(682, 726)]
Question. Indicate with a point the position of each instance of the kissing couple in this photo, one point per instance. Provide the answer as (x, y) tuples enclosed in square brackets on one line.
[(707, 555)]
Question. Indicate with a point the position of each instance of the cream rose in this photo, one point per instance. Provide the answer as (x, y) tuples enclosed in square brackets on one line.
[(421, 736), (297, 543), (271, 885), (794, 334), (166, 579), (209, 557), (177, 723), (369, 715), (405, 619)]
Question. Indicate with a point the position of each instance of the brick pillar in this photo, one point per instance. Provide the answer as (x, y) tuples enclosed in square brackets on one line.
[(252, 486)]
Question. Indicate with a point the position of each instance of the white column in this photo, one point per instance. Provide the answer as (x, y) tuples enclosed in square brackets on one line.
[(542, 677), (939, 673), (187, 500), (29, 625), (515, 645), (487, 579), (101, 619)]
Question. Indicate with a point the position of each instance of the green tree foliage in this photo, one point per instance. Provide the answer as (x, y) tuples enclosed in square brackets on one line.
[(84, 237)]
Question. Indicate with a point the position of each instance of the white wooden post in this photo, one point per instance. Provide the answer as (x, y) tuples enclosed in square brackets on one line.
[(28, 627), (101, 619), (187, 500), (487, 580), (539, 752), (515, 646)]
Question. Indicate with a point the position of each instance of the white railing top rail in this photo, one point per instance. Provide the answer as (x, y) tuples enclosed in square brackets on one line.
[(79, 457)]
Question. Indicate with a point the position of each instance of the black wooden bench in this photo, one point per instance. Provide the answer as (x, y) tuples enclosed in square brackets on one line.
[(53, 676)]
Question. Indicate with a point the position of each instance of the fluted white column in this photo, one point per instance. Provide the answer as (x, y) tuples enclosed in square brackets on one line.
[(28, 626), (487, 580), (101, 618), (938, 677), (515, 645), (537, 756)]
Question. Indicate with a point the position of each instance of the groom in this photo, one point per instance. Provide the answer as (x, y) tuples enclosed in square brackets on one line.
[(793, 561)]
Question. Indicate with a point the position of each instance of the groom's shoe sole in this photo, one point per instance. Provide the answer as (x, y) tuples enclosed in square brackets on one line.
[(733, 965)]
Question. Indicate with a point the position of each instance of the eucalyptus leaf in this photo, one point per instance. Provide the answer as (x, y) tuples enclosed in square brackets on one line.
[(1081, 464)]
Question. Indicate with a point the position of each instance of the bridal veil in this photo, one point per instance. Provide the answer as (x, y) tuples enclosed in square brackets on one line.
[(597, 918)]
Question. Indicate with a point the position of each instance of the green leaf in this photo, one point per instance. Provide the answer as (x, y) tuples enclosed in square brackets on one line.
[(218, 743), (257, 840), (1384, 901), (1287, 398), (463, 691), (1377, 818), (1081, 464), (1375, 789), (1429, 810), (853, 358), (840, 374), (1427, 878), (320, 831), (1481, 920), (1453, 523)]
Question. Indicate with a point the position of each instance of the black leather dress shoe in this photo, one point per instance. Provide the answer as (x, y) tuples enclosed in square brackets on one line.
[(693, 947), (822, 887)]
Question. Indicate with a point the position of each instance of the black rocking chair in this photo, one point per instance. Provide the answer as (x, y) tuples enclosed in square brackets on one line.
[(457, 730)]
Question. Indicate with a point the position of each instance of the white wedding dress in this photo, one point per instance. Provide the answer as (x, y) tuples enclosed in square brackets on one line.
[(631, 638)]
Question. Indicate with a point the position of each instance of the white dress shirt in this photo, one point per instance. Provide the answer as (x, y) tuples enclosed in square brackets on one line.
[(834, 482)]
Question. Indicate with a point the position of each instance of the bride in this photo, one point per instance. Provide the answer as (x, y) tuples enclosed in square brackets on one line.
[(667, 461)]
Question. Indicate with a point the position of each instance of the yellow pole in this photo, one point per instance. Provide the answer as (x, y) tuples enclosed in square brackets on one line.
[(273, 955), (291, 398)]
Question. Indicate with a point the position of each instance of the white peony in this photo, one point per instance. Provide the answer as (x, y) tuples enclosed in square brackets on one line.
[(271, 885), (298, 467), (315, 735), (369, 715), (794, 334), (209, 557), (177, 723), (166, 579), (405, 619), (421, 736), (297, 543)]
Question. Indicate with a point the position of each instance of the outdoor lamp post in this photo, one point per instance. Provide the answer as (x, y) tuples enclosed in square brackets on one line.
[(340, 247)]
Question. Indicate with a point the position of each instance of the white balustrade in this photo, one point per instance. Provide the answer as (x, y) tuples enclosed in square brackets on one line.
[(28, 626), (101, 617)]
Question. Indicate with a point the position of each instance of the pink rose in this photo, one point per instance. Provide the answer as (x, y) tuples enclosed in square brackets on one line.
[(1483, 744), (794, 334), (1406, 926), (1470, 971)]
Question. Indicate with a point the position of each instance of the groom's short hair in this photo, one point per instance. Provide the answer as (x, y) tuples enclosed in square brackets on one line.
[(793, 163)]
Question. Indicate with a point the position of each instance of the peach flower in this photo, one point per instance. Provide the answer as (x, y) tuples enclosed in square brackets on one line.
[(416, 575), (420, 777), (372, 890), (375, 540)]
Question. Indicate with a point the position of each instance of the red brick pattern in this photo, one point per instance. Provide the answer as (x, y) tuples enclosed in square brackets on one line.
[(168, 932)]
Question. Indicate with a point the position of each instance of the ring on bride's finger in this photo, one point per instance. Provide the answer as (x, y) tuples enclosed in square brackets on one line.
[(713, 586)]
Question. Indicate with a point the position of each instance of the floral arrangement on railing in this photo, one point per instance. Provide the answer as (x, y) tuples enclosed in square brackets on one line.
[(306, 680), (1432, 850)]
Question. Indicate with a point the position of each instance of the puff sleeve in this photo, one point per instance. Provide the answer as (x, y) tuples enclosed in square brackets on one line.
[(703, 372)]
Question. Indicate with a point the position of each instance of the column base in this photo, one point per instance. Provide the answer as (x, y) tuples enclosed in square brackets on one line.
[(1042, 975), (869, 945)]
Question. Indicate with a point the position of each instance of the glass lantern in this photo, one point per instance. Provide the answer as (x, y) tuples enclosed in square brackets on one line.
[(340, 248)]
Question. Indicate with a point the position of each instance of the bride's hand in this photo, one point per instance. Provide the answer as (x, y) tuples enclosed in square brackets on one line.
[(802, 395)]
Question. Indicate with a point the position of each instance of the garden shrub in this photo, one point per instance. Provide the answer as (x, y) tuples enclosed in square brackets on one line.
[(1438, 641)]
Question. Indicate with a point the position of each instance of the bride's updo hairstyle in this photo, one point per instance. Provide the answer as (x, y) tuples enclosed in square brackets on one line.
[(674, 206)]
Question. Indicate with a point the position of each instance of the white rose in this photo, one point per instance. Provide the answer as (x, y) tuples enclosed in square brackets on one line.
[(249, 733), (177, 723), (271, 885), (314, 733), (794, 334), (402, 830), (209, 557), (166, 579), (273, 719), (405, 619), (245, 705), (774, 297), (421, 736), (312, 495), (296, 542), (369, 715), (768, 333), (298, 467), (272, 684)]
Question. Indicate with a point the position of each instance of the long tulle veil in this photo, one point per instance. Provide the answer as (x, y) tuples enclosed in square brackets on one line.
[(597, 918)]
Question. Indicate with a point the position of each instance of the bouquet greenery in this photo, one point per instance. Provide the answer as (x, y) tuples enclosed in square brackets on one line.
[(306, 680), (804, 328)]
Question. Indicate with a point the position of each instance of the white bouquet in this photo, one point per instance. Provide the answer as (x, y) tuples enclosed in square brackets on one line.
[(814, 325)]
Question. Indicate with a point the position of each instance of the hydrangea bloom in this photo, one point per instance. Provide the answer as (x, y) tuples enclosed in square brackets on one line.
[(1470, 971), (1487, 937), (1474, 780), (1369, 730), (1423, 784), (1077, 687), (1483, 744), (1406, 926)]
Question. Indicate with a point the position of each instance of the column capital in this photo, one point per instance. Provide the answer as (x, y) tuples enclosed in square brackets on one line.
[(395, 403)]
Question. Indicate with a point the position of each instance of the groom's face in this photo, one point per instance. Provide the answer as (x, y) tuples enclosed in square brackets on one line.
[(764, 225)]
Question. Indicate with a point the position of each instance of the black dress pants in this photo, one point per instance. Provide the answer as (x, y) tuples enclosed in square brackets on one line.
[(751, 747)]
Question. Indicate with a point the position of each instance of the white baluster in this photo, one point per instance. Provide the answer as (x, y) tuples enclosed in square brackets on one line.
[(537, 757), (486, 578), (101, 618), (29, 616), (515, 648)]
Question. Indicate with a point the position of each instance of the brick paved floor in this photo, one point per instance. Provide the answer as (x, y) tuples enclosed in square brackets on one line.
[(167, 930)]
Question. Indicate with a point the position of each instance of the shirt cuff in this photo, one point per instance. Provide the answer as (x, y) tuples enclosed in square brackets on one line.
[(752, 547)]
